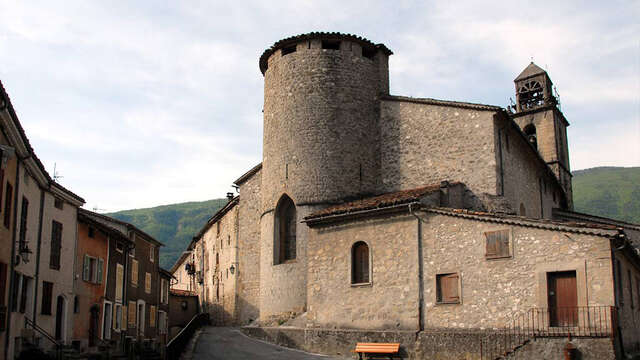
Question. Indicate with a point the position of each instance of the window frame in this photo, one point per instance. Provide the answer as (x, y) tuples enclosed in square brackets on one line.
[(352, 254), (93, 273), (55, 247), (438, 293), (281, 231), (147, 282), (46, 300), (152, 253)]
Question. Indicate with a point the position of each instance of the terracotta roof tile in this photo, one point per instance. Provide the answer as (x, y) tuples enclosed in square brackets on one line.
[(375, 202), (178, 292)]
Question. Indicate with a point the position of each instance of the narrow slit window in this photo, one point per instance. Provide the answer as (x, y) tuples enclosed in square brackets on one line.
[(288, 50), (360, 263), (331, 44)]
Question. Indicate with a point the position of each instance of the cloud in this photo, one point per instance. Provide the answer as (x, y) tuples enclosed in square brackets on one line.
[(149, 103)]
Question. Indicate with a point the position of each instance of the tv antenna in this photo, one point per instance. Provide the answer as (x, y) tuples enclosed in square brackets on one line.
[(56, 176), (95, 208)]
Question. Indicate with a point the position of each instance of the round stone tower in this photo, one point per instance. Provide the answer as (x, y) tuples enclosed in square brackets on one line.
[(320, 144)]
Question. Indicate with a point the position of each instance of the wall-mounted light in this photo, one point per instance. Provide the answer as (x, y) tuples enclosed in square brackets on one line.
[(232, 269)]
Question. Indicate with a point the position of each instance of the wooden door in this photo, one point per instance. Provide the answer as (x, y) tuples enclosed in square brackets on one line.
[(93, 325), (59, 317), (563, 298)]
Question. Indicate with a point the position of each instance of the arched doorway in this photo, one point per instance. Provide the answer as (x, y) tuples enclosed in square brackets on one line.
[(94, 316), (60, 315)]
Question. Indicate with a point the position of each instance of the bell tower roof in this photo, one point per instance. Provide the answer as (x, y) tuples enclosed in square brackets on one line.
[(529, 71)]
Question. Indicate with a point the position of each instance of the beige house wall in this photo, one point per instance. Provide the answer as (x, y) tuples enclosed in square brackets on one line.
[(63, 279), (183, 279), (390, 300), (221, 240), (494, 291), (29, 189)]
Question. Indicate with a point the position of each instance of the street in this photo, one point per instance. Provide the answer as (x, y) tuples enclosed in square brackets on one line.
[(224, 343)]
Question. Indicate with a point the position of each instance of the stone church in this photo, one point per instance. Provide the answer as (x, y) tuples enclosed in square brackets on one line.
[(446, 226)]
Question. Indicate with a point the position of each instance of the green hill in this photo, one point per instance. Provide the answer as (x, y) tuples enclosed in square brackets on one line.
[(173, 225), (608, 191)]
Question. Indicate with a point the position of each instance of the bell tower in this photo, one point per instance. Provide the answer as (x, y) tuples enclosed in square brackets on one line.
[(539, 116)]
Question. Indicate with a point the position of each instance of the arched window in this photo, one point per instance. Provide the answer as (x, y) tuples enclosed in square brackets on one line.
[(360, 263), (285, 231), (530, 132)]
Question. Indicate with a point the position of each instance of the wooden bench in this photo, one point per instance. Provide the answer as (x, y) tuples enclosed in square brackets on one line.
[(377, 348)]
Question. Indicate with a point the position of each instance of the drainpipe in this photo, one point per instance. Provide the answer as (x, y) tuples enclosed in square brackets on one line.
[(35, 295), (618, 330), (237, 272), (13, 255), (420, 271)]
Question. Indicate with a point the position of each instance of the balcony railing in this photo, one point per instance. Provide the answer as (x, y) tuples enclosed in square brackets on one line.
[(579, 321)]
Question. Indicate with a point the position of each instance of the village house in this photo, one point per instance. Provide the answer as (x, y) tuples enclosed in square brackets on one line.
[(446, 226), (39, 220)]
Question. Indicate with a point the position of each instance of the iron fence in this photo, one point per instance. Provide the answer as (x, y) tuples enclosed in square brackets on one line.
[(577, 321)]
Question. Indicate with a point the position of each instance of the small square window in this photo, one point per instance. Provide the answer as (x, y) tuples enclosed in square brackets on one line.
[(498, 244), (91, 232), (448, 288), (58, 203)]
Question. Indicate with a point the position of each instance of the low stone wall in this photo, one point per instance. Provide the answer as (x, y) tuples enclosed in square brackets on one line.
[(430, 344)]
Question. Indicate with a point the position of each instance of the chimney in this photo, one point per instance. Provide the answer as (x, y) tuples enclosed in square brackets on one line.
[(229, 196)]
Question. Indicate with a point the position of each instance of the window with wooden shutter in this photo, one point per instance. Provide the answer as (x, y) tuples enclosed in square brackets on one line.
[(24, 211), (360, 263), (56, 245), (497, 244), (152, 316), (147, 283), (47, 294), (7, 205), (134, 272), (132, 314), (447, 288), (119, 281)]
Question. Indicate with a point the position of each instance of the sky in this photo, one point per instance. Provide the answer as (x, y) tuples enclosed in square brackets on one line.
[(148, 103)]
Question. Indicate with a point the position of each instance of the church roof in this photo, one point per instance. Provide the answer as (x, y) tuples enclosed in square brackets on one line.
[(377, 202), (530, 71)]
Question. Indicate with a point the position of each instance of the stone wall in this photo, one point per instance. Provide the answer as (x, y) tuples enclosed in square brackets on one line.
[(249, 250), (390, 300), (283, 287), (524, 177), (628, 296), (493, 291), (433, 345), (321, 116), (425, 143)]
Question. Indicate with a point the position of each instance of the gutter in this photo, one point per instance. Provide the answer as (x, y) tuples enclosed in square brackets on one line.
[(35, 295), (420, 272), (356, 214)]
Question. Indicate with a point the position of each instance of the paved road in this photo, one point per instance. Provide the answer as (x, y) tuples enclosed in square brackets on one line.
[(223, 343)]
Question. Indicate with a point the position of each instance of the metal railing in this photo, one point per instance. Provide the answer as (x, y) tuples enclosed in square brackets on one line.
[(578, 321), (56, 344), (176, 345)]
